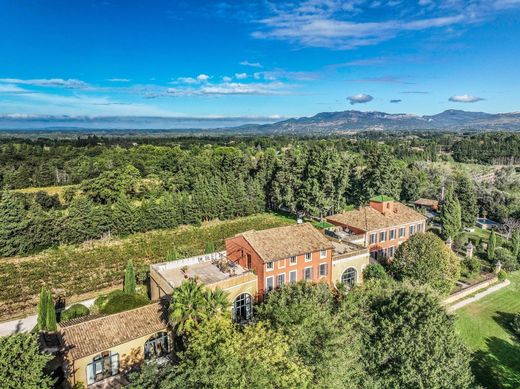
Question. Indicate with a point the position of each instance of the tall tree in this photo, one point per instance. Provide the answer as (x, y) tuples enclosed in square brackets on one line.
[(129, 285), (22, 363), (467, 196), (50, 316), (515, 243), (42, 309), (425, 259), (451, 218), (13, 223), (492, 244)]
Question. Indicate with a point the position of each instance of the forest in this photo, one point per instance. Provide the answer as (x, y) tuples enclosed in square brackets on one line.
[(67, 191)]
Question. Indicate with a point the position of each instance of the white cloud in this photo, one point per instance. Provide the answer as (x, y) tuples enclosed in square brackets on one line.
[(360, 98), (251, 64), (465, 99), (56, 82), (230, 88), (240, 76), (202, 77), (10, 88), (186, 80), (227, 79), (119, 80)]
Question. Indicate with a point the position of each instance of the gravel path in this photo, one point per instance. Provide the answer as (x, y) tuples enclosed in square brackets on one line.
[(478, 296)]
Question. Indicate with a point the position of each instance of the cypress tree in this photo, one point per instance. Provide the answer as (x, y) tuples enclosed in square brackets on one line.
[(467, 197), (515, 243), (451, 216), (492, 244), (129, 285), (50, 317), (210, 248), (42, 309)]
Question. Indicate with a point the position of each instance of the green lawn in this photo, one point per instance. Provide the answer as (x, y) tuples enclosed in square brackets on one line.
[(484, 327)]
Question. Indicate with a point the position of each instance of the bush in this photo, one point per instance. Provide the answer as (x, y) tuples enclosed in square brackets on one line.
[(470, 267), (509, 263), (119, 301), (515, 324), (374, 271), (502, 275), (74, 311)]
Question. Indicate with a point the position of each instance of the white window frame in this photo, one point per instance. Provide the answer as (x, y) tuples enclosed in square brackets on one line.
[(295, 272), (402, 229), (304, 271), (284, 280), (382, 236), (412, 229), (394, 233), (326, 265), (372, 241), (391, 251), (266, 283), (323, 254), (308, 257), (269, 266), (293, 260)]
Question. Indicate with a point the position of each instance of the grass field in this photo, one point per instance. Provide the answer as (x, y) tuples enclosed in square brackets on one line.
[(484, 327), (77, 270)]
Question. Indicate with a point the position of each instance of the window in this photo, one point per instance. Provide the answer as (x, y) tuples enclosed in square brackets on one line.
[(292, 276), (382, 236), (307, 273), (269, 265), (281, 263), (102, 366), (157, 346), (419, 227), (392, 234), (412, 230), (308, 257), (242, 308), (280, 280), (349, 277), (323, 254), (249, 264), (324, 269), (402, 232), (373, 238), (391, 251), (293, 261), (269, 283)]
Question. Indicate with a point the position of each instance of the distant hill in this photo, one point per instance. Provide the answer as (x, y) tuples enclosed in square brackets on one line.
[(352, 121), (323, 123)]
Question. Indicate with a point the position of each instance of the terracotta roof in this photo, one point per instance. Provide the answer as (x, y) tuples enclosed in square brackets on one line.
[(369, 219), (100, 334), (284, 242), (427, 202)]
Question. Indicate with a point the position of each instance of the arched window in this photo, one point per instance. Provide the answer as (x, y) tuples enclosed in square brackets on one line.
[(349, 277), (157, 346), (242, 307)]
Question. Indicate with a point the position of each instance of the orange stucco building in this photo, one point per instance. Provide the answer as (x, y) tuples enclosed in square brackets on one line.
[(283, 255), (384, 224)]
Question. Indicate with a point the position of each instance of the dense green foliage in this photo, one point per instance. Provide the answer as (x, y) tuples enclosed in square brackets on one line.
[(22, 363), (129, 285), (492, 244), (451, 217), (74, 311), (426, 260), (46, 320), (467, 196), (410, 340), (119, 301), (374, 271)]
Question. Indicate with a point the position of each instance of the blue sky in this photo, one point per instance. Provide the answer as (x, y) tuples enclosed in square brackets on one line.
[(257, 59)]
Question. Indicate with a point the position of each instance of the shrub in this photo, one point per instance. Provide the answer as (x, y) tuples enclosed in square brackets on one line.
[(509, 263), (74, 311), (119, 301), (470, 267), (515, 324), (374, 271), (502, 275)]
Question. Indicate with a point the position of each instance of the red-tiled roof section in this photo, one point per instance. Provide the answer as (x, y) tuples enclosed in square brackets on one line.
[(369, 219), (100, 334), (284, 242)]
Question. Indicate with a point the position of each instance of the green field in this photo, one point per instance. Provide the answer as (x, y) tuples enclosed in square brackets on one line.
[(71, 270), (484, 327)]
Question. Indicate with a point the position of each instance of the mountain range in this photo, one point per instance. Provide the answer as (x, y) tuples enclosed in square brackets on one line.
[(321, 123)]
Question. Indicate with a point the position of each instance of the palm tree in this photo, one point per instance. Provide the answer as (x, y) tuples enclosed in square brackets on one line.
[(217, 301), (188, 306)]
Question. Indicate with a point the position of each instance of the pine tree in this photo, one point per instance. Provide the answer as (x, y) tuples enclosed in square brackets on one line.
[(50, 317), (129, 285), (451, 216), (210, 247), (466, 194), (515, 243), (42, 309), (492, 243)]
